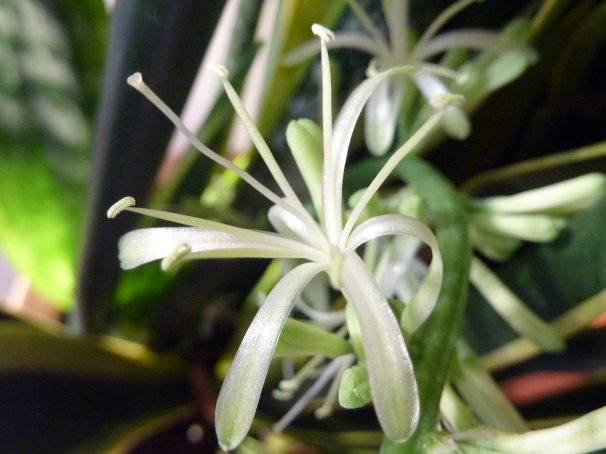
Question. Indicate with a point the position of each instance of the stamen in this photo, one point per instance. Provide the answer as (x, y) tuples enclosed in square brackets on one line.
[(220, 70), (175, 257), (444, 100), (322, 32), (281, 395), (257, 138), (293, 384), (136, 81), (331, 216), (314, 389), (386, 170), (328, 406), (120, 206)]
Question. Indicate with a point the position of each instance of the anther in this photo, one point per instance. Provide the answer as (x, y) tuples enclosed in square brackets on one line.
[(220, 70), (322, 32), (175, 257), (444, 100), (120, 206), (135, 80)]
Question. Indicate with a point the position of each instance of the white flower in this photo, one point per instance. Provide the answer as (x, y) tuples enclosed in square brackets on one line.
[(400, 48), (324, 245)]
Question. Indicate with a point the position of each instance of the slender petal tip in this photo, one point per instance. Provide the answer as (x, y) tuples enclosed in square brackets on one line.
[(119, 206), (135, 80), (220, 70), (322, 32)]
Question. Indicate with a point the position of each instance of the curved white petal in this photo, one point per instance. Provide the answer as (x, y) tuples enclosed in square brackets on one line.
[(348, 40), (242, 387), (429, 85), (292, 226), (424, 301), (145, 245), (381, 116), (455, 121), (476, 39), (391, 376), (341, 137)]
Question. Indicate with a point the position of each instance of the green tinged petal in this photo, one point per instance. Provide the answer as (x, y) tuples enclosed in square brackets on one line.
[(425, 299), (304, 137), (391, 376), (381, 116), (530, 227), (146, 245), (300, 338), (563, 198), (241, 390)]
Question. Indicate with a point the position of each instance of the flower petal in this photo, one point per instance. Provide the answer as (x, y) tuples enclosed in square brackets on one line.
[(562, 198), (476, 39), (538, 228), (292, 226), (242, 387), (424, 301), (381, 116), (146, 245), (391, 376), (341, 138), (347, 40)]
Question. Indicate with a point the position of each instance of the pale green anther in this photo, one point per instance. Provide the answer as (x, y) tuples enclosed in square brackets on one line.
[(120, 206), (322, 32), (354, 391), (280, 394), (220, 70), (135, 80), (176, 257), (304, 137), (563, 198), (446, 100), (293, 384)]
